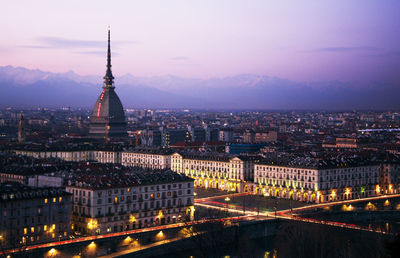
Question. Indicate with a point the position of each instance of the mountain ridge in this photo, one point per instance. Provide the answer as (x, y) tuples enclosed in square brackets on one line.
[(20, 86)]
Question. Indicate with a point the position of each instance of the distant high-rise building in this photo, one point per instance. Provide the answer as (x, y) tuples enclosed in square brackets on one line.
[(172, 136), (21, 129), (108, 116)]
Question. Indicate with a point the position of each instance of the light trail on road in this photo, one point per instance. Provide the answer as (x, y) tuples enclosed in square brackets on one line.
[(205, 199), (287, 214), (119, 234), (248, 215)]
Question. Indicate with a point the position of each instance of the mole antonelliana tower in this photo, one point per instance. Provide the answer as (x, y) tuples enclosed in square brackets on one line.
[(108, 117)]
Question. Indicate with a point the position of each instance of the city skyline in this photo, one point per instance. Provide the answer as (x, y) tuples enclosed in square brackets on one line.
[(327, 41), (200, 128)]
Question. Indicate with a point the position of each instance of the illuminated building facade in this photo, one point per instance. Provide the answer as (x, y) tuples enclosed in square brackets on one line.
[(67, 155), (120, 202), (33, 215), (221, 171), (317, 183), (108, 156), (108, 116), (147, 158), (389, 178), (101, 156)]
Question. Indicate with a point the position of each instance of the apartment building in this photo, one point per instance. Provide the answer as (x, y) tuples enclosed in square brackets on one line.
[(33, 215), (147, 158), (104, 203)]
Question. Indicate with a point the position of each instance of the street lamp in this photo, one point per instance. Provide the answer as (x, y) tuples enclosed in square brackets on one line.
[(227, 199), (92, 225)]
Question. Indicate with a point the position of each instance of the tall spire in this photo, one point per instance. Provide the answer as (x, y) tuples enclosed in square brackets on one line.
[(108, 78)]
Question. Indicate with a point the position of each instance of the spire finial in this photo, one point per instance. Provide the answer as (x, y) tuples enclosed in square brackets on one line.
[(109, 78)]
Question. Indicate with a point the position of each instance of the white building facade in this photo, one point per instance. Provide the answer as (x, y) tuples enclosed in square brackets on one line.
[(115, 209), (223, 172), (316, 184), (146, 159)]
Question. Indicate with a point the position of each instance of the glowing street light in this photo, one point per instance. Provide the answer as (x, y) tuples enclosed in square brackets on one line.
[(132, 218), (52, 252), (92, 245), (92, 224), (227, 199), (127, 240), (160, 235)]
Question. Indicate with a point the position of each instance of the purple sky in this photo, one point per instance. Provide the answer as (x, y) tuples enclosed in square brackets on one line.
[(311, 40)]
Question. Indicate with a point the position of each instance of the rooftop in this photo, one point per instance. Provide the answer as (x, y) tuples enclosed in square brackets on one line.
[(14, 191), (135, 177)]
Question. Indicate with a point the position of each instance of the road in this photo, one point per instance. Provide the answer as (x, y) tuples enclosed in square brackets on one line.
[(119, 234), (209, 202)]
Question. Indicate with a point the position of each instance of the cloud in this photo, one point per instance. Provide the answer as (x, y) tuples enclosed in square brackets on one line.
[(180, 58), (97, 53), (188, 64), (344, 49), (33, 46), (56, 42)]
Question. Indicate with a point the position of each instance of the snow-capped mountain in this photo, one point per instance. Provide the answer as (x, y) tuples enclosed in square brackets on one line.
[(24, 87)]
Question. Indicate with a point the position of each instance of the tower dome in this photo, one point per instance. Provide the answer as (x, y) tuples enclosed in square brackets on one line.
[(108, 116)]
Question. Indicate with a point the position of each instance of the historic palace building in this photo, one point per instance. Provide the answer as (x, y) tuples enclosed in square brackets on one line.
[(303, 178), (222, 171), (108, 116), (147, 158), (104, 203), (323, 181)]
